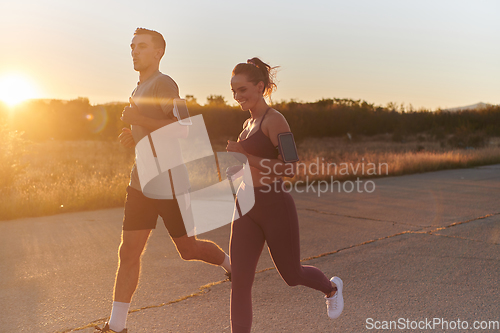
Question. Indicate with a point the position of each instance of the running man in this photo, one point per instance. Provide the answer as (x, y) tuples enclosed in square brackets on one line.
[(151, 108)]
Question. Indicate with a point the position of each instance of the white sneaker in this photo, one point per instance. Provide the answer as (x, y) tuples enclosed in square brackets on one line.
[(335, 304)]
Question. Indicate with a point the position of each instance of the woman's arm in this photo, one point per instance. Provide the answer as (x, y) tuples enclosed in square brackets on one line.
[(272, 167), (275, 124)]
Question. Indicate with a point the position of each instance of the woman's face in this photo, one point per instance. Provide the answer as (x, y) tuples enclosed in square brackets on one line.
[(245, 92)]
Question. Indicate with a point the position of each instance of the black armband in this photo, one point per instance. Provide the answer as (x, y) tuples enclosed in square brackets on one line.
[(287, 148)]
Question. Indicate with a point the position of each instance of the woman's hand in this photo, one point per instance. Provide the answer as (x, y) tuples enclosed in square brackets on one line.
[(235, 147)]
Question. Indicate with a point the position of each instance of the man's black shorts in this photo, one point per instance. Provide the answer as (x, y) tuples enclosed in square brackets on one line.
[(142, 213)]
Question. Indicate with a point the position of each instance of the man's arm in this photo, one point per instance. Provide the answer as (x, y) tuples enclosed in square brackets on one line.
[(132, 116)]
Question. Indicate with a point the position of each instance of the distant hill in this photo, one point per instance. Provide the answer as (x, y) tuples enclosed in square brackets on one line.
[(477, 106)]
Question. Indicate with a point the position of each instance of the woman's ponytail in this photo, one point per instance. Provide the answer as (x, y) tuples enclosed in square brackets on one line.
[(256, 71)]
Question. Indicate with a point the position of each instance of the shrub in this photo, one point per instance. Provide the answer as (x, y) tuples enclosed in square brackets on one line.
[(464, 138), (12, 149)]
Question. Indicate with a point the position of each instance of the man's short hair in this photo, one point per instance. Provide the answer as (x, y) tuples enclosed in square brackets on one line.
[(156, 37)]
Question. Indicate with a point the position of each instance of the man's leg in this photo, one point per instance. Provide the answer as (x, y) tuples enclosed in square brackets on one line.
[(127, 276), (191, 248), (129, 264)]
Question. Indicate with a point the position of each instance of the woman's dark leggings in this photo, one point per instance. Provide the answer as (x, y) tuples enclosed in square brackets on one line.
[(273, 218)]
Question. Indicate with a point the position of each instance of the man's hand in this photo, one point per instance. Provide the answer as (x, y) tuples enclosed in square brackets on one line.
[(126, 138), (130, 114)]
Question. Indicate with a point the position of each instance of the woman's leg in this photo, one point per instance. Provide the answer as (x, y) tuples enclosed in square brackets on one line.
[(281, 230), (247, 241)]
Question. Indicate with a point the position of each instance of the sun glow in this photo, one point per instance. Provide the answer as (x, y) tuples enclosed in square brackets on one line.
[(15, 89)]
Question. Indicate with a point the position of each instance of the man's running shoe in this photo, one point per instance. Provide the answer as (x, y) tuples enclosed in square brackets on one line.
[(106, 329), (335, 304)]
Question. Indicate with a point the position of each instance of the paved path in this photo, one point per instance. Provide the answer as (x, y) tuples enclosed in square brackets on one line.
[(420, 246)]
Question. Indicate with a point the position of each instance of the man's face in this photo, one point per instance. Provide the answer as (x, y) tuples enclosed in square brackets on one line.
[(144, 53)]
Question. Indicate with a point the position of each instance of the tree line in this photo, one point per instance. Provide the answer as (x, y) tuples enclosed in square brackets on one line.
[(79, 120)]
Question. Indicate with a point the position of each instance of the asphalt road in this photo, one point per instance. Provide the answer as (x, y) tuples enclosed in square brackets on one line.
[(420, 247)]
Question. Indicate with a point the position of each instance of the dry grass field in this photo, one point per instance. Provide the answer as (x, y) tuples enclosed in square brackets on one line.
[(389, 158), (85, 175), (68, 176)]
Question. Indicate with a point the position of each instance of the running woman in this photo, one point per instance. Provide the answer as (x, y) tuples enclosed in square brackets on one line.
[(273, 218)]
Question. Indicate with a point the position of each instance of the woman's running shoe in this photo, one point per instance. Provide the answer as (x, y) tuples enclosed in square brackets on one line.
[(335, 304)]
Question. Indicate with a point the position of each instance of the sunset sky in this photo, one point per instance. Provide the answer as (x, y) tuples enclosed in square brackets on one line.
[(428, 53)]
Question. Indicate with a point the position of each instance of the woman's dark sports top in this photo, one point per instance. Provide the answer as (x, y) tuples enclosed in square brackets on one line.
[(258, 144)]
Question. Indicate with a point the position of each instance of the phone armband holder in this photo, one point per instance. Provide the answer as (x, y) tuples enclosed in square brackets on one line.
[(287, 147), (181, 112)]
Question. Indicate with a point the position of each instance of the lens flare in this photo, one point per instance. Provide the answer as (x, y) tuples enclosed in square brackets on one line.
[(97, 119)]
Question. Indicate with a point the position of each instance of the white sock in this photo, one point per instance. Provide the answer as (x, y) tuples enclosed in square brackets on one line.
[(118, 320), (226, 264)]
